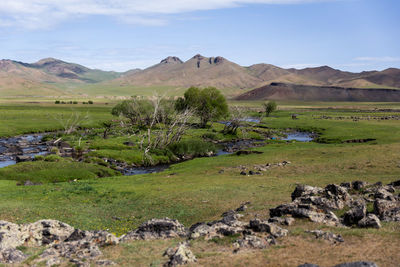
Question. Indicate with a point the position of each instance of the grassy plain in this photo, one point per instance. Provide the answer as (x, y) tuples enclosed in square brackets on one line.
[(196, 191)]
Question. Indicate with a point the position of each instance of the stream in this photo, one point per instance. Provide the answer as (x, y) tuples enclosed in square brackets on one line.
[(26, 147)]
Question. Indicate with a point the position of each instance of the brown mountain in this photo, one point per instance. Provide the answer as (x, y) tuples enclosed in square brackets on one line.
[(222, 73), (284, 91), (197, 71)]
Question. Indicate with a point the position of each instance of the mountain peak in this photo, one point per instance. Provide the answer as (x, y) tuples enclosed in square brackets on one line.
[(198, 57), (48, 60), (171, 60)]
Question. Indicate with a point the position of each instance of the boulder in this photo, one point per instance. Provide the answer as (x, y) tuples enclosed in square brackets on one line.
[(370, 221), (356, 213), (12, 255), (156, 229), (319, 234), (282, 220), (251, 242), (387, 210), (99, 238), (358, 185), (263, 226), (383, 193), (45, 232), (306, 190), (23, 158), (357, 264), (179, 255), (10, 235), (308, 265)]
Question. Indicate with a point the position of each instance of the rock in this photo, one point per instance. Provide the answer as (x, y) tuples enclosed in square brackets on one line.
[(306, 190), (100, 238), (327, 236), (357, 264), (358, 185), (23, 158), (45, 232), (382, 193), (282, 220), (308, 265), (243, 207), (10, 235), (179, 255), (243, 173), (395, 183), (105, 263), (71, 250), (251, 242), (370, 221), (30, 183), (356, 213), (346, 185), (263, 226), (336, 192), (387, 210), (12, 255), (157, 229)]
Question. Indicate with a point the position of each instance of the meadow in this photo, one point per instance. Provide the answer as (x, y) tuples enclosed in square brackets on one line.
[(198, 190)]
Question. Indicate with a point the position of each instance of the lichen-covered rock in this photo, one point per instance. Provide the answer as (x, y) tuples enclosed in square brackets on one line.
[(306, 191), (385, 194), (12, 255), (179, 255), (45, 232), (387, 210), (358, 185), (156, 229), (10, 235), (282, 220), (252, 242), (319, 234), (100, 238), (263, 226), (370, 221), (356, 213)]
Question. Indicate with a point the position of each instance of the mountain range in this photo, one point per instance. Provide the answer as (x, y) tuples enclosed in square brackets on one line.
[(49, 77)]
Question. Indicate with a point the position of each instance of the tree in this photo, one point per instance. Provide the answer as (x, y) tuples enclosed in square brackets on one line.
[(208, 104), (269, 107), (138, 112)]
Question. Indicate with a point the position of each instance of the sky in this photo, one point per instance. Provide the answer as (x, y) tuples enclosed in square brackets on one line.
[(119, 35)]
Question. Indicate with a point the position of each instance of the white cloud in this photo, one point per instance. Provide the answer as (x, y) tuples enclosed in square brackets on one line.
[(33, 14), (378, 59)]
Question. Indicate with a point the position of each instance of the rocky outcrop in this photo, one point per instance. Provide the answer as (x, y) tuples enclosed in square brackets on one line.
[(253, 242), (62, 241), (258, 225), (349, 264), (157, 229), (179, 255), (317, 204)]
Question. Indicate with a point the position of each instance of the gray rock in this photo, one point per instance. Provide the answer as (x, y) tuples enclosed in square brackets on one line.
[(356, 213), (10, 235), (12, 255), (358, 185), (263, 226), (282, 220), (387, 210), (319, 234), (179, 255), (251, 242), (370, 221), (45, 232), (357, 264), (156, 229), (306, 190), (308, 265), (105, 263), (99, 238), (382, 193)]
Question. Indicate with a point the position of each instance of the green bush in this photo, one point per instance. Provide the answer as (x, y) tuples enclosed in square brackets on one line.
[(194, 148), (52, 158)]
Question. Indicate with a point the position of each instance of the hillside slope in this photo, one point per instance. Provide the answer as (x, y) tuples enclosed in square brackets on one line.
[(282, 91)]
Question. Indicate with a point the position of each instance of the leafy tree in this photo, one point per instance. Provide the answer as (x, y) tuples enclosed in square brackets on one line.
[(137, 111), (208, 103), (269, 107)]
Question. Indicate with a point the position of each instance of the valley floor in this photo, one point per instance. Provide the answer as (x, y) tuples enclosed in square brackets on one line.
[(203, 188)]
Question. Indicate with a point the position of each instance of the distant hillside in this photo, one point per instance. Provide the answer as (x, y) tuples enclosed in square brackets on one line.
[(282, 91), (50, 77)]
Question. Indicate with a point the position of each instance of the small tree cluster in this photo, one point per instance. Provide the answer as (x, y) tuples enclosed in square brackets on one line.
[(207, 104), (269, 107)]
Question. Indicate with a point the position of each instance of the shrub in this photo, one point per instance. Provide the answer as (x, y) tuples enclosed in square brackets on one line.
[(57, 102), (90, 102), (194, 148)]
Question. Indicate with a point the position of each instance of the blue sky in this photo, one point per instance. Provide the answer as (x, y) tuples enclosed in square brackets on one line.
[(119, 35)]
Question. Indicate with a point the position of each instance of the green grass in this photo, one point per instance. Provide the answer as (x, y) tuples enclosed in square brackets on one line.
[(54, 171)]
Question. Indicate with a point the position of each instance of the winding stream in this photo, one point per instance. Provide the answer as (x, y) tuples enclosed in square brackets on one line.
[(26, 147)]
